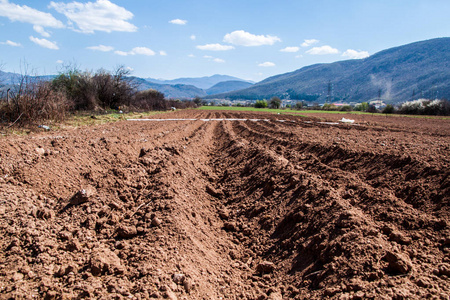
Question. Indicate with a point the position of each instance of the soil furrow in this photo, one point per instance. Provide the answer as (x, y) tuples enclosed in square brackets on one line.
[(363, 164), (227, 210)]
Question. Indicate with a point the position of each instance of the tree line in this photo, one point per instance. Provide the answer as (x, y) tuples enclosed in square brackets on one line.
[(416, 107)]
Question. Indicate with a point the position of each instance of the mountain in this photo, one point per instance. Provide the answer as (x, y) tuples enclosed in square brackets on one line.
[(8, 78), (200, 82), (420, 69), (169, 90), (228, 86)]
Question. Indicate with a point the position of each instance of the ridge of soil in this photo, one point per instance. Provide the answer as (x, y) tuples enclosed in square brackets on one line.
[(289, 208)]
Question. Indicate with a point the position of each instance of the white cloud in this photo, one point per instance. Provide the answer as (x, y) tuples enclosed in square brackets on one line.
[(353, 54), (214, 59), (310, 42), (121, 53), (322, 50), (101, 15), (102, 48), (11, 43), (193, 37), (39, 29), (215, 47), (267, 64), (59, 61), (191, 55), (299, 56), (142, 51), (137, 51), (44, 43), (178, 22), (243, 38), (129, 69), (290, 49), (26, 14), (162, 53)]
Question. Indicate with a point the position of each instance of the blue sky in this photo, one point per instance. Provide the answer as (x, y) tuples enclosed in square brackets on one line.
[(249, 39)]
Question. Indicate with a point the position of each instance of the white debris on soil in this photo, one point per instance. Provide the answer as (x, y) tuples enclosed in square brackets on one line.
[(344, 120)]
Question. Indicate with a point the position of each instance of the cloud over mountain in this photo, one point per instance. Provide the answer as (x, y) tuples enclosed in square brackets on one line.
[(243, 38), (266, 64), (353, 54), (323, 50), (101, 15)]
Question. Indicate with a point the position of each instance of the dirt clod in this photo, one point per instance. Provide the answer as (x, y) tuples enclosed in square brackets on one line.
[(188, 285), (230, 226), (400, 238), (104, 261), (127, 232), (265, 267), (398, 263), (156, 221)]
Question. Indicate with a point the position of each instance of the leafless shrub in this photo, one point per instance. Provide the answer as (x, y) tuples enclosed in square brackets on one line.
[(92, 91), (35, 102), (150, 100)]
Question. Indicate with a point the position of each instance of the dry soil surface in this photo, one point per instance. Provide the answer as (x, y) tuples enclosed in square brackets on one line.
[(283, 208)]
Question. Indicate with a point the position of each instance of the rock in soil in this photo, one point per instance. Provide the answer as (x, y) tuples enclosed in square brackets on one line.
[(82, 196)]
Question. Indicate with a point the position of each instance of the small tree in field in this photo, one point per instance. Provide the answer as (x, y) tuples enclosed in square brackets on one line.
[(261, 104), (275, 102), (364, 106), (198, 101), (372, 109), (389, 109)]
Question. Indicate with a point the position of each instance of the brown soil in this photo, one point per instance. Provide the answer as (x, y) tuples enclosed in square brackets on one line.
[(228, 209)]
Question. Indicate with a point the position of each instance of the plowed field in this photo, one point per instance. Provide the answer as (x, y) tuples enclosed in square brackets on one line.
[(283, 207)]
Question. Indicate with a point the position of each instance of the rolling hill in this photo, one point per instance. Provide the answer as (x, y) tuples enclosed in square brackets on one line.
[(169, 90), (228, 86), (200, 82), (420, 69)]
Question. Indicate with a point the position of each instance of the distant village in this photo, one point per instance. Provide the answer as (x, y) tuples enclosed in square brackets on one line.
[(288, 103)]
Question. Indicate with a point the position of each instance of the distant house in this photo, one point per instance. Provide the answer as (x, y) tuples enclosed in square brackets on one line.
[(378, 104)]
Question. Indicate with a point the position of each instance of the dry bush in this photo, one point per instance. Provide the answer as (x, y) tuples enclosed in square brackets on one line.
[(181, 104), (34, 103), (150, 100), (94, 91), (78, 88), (154, 100)]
